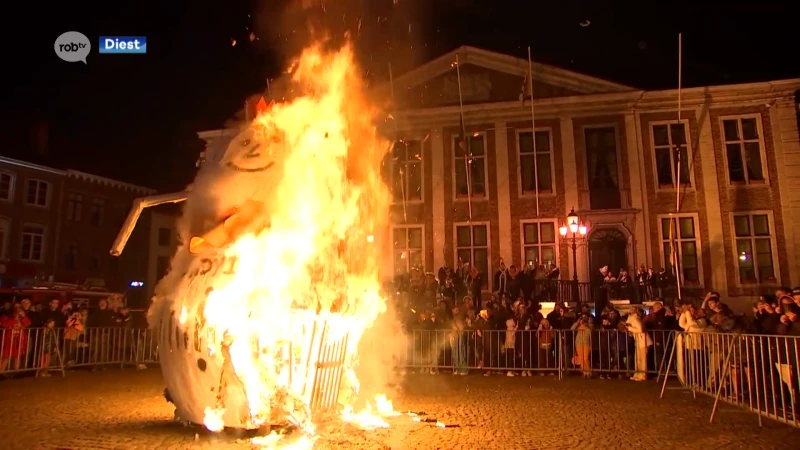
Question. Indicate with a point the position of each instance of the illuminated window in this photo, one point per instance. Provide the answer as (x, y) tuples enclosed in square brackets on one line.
[(535, 167), (539, 242), (409, 245), (754, 248), (472, 246), (684, 236), (407, 171), (475, 184)]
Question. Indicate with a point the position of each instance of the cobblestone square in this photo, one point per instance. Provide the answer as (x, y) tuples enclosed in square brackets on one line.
[(125, 409)]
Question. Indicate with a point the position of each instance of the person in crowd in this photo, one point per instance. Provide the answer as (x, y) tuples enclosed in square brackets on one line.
[(49, 346), (642, 342), (606, 344), (475, 283), (500, 284), (545, 337), (510, 356), (514, 282), (582, 329), (711, 304), (55, 313), (14, 339), (482, 326), (653, 284), (654, 326), (525, 322), (74, 328), (458, 342), (624, 284), (102, 320)]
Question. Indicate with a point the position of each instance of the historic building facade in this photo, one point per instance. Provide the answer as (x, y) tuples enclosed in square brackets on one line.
[(607, 150), (58, 224), (610, 152)]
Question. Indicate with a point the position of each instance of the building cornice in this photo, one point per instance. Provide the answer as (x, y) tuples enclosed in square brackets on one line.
[(601, 104), (83, 176), (27, 165)]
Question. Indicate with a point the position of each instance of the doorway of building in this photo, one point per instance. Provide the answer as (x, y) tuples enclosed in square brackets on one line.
[(607, 247)]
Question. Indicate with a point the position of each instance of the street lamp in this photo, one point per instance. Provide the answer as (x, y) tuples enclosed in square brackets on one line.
[(575, 229)]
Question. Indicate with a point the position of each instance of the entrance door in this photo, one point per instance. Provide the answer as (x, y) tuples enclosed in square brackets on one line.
[(607, 247)]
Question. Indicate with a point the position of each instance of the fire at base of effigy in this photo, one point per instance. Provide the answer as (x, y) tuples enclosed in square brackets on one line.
[(260, 317)]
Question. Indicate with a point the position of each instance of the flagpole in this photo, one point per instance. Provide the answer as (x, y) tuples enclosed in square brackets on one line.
[(467, 151), (533, 132), (396, 140), (678, 184)]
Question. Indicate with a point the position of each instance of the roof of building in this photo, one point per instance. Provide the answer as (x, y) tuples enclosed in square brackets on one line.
[(78, 175)]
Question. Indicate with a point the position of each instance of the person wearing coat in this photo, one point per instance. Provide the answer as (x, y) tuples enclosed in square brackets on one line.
[(642, 342)]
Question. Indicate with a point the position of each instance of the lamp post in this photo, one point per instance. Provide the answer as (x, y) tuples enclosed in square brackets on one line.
[(574, 229)]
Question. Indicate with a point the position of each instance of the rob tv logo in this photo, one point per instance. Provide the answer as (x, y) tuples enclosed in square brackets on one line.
[(123, 44)]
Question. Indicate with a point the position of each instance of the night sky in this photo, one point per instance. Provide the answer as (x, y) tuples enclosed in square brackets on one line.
[(134, 117)]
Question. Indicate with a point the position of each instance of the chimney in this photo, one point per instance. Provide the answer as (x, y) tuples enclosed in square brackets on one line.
[(40, 134)]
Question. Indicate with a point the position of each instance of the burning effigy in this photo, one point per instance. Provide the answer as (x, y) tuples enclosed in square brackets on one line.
[(260, 316)]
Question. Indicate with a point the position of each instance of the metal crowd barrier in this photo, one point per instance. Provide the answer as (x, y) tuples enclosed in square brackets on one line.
[(43, 350), (598, 352), (758, 373)]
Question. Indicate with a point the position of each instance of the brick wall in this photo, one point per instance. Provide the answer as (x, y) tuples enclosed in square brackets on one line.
[(18, 213), (421, 213), (748, 198), (524, 207), (483, 210), (660, 201)]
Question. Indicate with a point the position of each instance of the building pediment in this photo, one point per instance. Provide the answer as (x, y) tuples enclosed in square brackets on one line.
[(488, 77)]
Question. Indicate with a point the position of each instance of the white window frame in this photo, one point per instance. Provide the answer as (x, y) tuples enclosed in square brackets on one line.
[(697, 239), (618, 146), (39, 183), (472, 247), (421, 141), (11, 185), (689, 152), (5, 228), (762, 148), (455, 160), (538, 223), (44, 243), (415, 226), (552, 192), (75, 207), (774, 247)]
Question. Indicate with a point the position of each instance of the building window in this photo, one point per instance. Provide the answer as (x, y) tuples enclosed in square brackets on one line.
[(683, 235), (603, 171), (407, 171), (535, 165), (38, 193), (164, 237), (743, 150), (472, 246), (5, 232), (6, 186), (95, 262), (475, 184), (409, 246), (162, 267), (670, 142), (32, 243), (74, 207), (71, 256), (754, 241), (539, 243), (97, 212)]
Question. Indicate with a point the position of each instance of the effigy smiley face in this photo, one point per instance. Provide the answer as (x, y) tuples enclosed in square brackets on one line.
[(255, 150)]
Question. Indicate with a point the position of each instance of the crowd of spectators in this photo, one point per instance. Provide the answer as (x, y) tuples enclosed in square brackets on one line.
[(455, 324), (37, 336)]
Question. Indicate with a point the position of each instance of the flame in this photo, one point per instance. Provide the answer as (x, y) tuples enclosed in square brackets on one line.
[(317, 260)]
